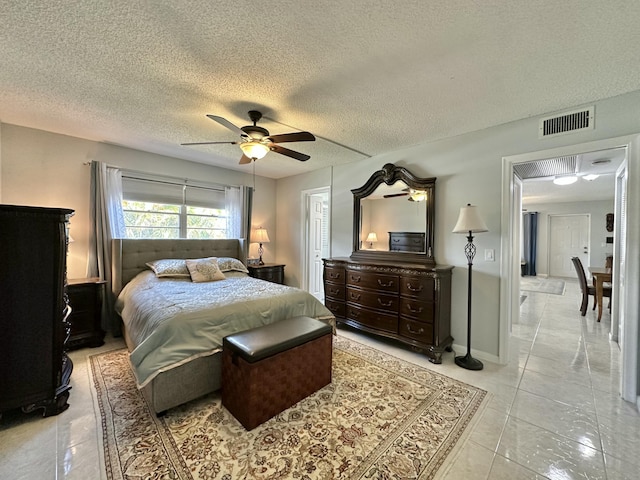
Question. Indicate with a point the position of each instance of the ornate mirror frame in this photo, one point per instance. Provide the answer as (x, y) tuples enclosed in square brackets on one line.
[(390, 174)]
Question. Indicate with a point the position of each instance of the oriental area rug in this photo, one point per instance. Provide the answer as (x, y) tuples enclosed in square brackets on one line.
[(380, 418)]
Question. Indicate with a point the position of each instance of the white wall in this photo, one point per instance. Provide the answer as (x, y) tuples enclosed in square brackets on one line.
[(46, 169), (291, 230), (597, 231), (468, 170)]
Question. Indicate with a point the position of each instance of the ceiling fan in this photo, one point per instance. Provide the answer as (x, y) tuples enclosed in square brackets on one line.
[(413, 194), (255, 142)]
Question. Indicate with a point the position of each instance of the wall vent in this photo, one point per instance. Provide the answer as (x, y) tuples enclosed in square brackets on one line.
[(567, 122), (547, 168)]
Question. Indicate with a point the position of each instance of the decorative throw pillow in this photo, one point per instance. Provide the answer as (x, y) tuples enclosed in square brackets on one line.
[(205, 270), (170, 267), (228, 264)]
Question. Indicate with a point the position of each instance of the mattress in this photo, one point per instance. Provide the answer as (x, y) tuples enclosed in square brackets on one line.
[(171, 321)]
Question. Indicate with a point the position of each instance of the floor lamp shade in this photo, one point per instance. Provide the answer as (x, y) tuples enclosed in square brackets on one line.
[(469, 222)]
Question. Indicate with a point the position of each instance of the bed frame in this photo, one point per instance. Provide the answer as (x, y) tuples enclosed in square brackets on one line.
[(197, 377)]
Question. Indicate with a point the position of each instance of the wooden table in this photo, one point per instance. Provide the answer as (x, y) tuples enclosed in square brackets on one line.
[(600, 275)]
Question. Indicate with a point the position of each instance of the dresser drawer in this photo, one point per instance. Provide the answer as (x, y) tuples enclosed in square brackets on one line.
[(380, 321), (419, 331), (337, 308), (334, 274), (374, 281), (375, 300), (334, 290), (417, 309), (422, 288)]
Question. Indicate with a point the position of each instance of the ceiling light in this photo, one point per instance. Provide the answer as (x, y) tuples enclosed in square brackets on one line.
[(591, 177), (566, 180), (254, 150), (418, 195)]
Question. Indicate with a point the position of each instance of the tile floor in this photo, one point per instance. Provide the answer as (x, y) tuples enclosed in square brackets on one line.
[(554, 410)]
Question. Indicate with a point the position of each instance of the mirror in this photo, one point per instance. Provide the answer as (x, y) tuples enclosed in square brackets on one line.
[(393, 217)]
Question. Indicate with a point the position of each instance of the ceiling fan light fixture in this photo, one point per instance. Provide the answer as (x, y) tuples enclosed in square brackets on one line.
[(418, 195), (254, 150), (565, 180)]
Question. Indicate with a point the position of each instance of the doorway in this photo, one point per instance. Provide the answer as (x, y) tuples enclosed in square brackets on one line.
[(509, 284), (315, 239)]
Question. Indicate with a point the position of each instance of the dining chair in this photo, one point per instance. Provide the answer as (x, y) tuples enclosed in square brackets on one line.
[(586, 288)]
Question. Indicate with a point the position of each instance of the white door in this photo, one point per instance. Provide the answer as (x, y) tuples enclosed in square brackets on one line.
[(316, 221), (620, 255), (568, 237)]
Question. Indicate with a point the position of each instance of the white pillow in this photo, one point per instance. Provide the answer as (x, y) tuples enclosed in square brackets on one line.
[(205, 270), (169, 267), (228, 264)]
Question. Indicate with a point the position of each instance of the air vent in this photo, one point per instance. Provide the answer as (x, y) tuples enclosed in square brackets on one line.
[(546, 168), (568, 122)]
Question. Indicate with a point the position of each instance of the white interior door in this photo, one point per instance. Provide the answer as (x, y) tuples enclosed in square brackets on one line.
[(316, 221), (568, 237), (619, 258)]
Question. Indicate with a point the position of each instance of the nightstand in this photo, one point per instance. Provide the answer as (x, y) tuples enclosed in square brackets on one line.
[(85, 297), (269, 271)]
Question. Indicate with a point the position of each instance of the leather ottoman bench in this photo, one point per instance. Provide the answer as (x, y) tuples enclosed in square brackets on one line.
[(268, 369)]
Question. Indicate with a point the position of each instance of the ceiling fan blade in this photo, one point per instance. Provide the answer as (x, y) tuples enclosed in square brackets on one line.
[(292, 137), (210, 143), (391, 195), (289, 153), (226, 123), (244, 160)]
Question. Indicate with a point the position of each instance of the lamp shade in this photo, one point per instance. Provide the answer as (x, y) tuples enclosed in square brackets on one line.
[(470, 221), (260, 235), (254, 150), (372, 237)]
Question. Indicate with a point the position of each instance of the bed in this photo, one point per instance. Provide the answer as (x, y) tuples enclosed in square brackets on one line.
[(173, 327)]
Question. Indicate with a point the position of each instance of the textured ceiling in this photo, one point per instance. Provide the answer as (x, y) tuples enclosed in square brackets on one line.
[(372, 75)]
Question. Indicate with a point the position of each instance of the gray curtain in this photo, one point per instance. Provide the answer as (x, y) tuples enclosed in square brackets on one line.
[(530, 242), (107, 222), (246, 194), (239, 204)]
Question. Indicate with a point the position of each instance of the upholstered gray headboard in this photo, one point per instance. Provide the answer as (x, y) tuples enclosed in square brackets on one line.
[(129, 255)]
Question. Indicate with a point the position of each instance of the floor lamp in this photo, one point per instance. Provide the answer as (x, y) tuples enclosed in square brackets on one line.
[(469, 222)]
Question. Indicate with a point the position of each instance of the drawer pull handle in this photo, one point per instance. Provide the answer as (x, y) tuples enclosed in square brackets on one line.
[(419, 332), (382, 284), (355, 314), (414, 289), (355, 296), (334, 291), (355, 279), (414, 310), (334, 275), (383, 304)]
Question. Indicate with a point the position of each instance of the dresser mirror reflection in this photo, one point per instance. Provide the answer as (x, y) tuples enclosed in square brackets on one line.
[(393, 217)]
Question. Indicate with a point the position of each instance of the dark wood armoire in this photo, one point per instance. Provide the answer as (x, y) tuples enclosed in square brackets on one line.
[(34, 370)]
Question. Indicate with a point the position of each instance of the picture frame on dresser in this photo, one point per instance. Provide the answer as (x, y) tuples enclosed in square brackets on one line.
[(402, 293)]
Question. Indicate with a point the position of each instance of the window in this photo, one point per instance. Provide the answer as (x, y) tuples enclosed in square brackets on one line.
[(160, 208)]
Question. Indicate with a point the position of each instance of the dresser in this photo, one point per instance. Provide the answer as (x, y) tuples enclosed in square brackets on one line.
[(270, 272), (406, 242), (35, 370), (409, 302), (85, 298)]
